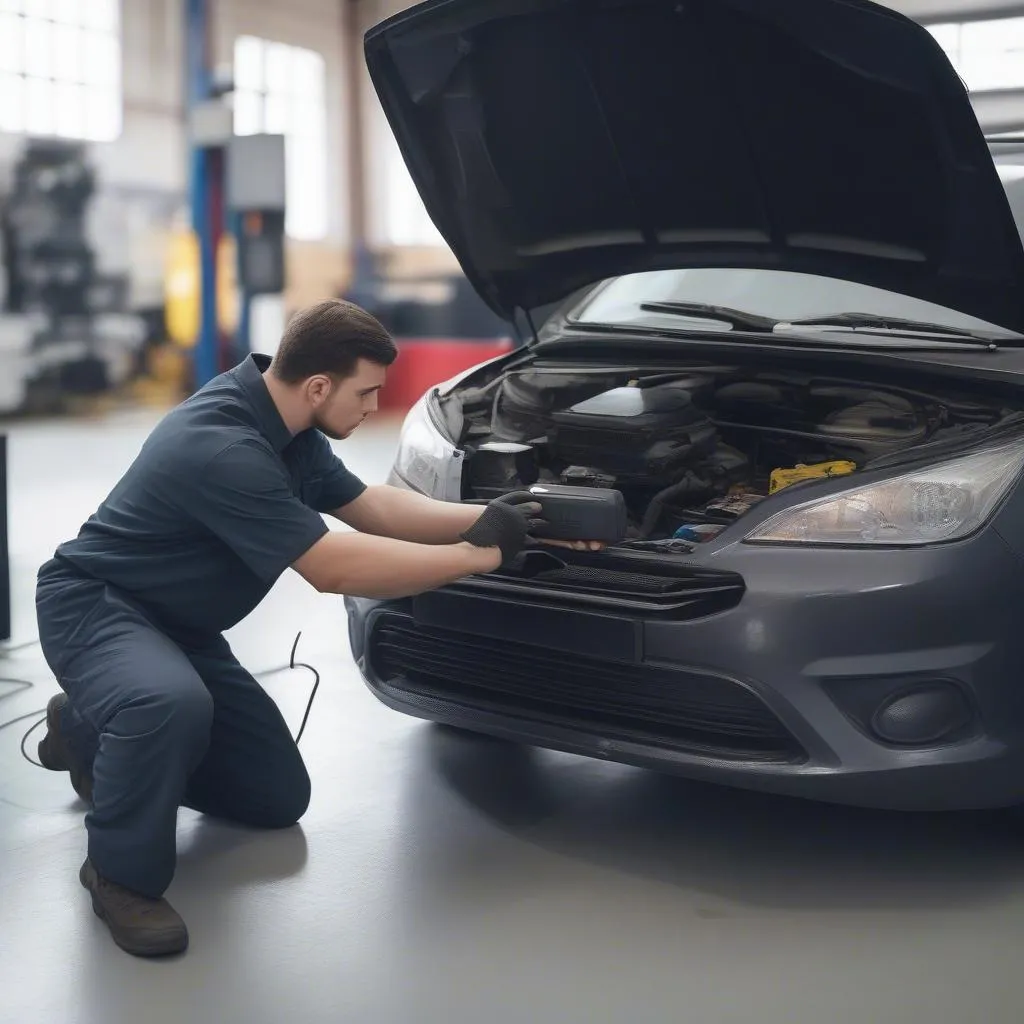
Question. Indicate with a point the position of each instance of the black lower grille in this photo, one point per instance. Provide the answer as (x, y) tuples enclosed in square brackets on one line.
[(685, 710), (584, 577), (655, 588)]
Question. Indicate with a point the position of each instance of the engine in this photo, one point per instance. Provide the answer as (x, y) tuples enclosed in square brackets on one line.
[(692, 452), (641, 432)]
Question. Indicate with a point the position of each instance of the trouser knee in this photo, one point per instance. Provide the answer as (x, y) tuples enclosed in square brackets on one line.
[(296, 803), (180, 717), (289, 800)]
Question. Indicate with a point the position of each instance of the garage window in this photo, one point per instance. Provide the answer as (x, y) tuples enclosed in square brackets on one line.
[(60, 68), (988, 55), (405, 219), (281, 90)]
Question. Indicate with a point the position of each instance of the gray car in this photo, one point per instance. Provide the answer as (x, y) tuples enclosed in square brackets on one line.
[(769, 288)]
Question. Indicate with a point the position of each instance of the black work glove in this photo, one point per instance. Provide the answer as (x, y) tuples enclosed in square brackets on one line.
[(505, 523)]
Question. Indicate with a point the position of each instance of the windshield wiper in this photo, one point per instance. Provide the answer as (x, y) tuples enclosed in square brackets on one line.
[(703, 311), (809, 339), (936, 334), (878, 321)]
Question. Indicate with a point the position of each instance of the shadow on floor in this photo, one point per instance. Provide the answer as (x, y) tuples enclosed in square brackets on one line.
[(761, 854), (225, 855)]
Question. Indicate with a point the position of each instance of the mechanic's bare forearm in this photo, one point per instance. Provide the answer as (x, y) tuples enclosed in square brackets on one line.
[(360, 565), (387, 511)]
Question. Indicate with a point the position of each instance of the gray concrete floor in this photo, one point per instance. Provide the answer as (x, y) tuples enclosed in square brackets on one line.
[(440, 877)]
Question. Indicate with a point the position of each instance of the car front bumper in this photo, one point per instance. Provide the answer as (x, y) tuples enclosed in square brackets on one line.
[(778, 693)]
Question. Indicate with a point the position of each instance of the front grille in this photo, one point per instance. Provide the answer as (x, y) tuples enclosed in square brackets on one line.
[(684, 710), (585, 577), (654, 588)]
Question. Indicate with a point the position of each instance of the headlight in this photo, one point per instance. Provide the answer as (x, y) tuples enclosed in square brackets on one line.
[(426, 461), (944, 502)]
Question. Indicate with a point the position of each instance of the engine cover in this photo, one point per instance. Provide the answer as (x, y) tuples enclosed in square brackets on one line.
[(841, 420), (634, 432)]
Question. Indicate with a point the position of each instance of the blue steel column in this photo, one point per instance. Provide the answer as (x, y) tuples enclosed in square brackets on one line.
[(197, 84), (243, 340)]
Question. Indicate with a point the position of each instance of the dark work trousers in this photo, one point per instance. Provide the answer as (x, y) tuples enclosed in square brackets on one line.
[(164, 725)]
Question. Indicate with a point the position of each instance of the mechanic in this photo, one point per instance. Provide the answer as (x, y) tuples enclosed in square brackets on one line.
[(226, 493)]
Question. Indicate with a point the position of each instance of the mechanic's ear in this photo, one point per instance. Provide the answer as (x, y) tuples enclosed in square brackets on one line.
[(318, 389)]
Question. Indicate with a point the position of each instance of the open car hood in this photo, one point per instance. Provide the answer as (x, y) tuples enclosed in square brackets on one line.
[(559, 142)]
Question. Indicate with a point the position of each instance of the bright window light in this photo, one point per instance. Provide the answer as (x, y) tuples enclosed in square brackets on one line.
[(281, 90), (988, 55), (12, 43), (60, 69), (68, 12), (406, 221), (12, 110)]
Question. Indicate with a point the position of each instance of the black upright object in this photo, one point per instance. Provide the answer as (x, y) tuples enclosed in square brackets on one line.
[(52, 266), (5, 559), (51, 263)]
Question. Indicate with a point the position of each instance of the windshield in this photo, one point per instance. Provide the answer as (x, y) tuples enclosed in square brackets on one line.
[(779, 295)]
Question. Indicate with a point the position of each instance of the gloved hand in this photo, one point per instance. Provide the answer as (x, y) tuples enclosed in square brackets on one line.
[(505, 523)]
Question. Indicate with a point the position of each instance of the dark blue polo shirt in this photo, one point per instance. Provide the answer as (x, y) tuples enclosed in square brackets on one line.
[(219, 502)]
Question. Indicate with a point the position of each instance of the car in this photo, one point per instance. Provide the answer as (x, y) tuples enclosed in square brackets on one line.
[(770, 290)]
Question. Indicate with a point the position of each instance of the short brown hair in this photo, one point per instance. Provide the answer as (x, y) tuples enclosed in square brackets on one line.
[(331, 337)]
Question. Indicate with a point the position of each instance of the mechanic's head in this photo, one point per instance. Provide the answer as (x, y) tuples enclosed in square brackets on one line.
[(332, 361)]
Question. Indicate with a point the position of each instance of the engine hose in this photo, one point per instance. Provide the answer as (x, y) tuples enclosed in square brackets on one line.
[(684, 488)]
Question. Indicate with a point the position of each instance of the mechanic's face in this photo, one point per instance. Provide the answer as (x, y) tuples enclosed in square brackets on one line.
[(339, 406)]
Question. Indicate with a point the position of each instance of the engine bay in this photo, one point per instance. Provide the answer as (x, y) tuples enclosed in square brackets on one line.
[(694, 450)]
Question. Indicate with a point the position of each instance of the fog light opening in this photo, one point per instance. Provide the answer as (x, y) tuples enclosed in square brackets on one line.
[(925, 715)]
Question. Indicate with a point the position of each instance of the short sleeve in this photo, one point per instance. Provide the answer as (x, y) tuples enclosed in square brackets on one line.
[(243, 497), (332, 485)]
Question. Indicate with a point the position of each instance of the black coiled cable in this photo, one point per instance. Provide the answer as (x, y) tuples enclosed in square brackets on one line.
[(40, 714)]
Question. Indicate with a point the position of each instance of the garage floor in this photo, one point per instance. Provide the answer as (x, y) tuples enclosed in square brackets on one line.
[(438, 877)]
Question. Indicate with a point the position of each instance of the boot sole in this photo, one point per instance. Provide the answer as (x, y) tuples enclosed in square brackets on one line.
[(157, 947)]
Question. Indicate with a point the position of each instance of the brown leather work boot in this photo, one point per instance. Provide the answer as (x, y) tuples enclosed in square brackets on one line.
[(55, 752), (139, 925)]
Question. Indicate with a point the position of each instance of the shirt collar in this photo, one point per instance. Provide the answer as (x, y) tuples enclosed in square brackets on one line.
[(250, 375)]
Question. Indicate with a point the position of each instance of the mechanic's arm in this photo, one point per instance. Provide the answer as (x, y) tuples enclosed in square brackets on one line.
[(359, 565), (244, 497), (386, 511)]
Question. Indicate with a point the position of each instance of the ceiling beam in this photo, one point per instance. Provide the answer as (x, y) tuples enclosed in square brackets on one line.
[(932, 11), (1000, 111)]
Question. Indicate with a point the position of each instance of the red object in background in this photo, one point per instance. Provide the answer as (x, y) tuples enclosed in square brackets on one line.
[(424, 362)]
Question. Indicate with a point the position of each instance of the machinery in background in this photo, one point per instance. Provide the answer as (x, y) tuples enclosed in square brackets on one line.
[(65, 328), (426, 306), (441, 325)]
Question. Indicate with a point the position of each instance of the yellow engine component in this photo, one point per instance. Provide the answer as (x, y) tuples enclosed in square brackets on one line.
[(782, 478)]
